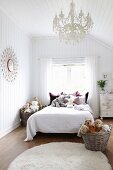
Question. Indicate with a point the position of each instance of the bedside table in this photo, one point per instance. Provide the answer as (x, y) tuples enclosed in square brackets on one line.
[(106, 105), (24, 116)]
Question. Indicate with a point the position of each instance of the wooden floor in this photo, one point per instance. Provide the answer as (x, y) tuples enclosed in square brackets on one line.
[(13, 144)]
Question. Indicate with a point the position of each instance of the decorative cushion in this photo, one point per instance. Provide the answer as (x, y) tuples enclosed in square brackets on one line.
[(52, 97), (86, 97), (76, 94), (82, 99), (76, 101), (77, 97)]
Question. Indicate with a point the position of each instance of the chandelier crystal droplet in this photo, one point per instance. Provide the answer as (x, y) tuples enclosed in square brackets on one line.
[(74, 27)]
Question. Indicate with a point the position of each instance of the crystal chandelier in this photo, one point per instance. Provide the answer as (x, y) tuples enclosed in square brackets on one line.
[(74, 27)]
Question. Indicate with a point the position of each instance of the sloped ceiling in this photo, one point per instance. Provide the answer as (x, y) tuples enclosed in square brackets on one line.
[(35, 16)]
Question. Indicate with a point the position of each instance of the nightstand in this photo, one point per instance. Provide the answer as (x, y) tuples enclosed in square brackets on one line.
[(24, 116), (106, 105)]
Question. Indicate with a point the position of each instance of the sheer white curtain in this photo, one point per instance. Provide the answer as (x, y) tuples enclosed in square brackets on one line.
[(92, 77), (44, 79)]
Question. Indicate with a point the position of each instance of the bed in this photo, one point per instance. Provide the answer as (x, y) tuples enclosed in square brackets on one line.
[(58, 120)]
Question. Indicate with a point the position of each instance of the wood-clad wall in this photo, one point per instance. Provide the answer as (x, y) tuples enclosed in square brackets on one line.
[(13, 95)]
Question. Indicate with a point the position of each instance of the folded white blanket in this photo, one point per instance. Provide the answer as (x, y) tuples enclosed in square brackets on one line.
[(84, 107)]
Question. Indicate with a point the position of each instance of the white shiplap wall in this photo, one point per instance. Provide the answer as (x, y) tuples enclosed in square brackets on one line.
[(50, 47), (13, 95)]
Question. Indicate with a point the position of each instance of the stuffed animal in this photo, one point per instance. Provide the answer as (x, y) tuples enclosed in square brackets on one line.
[(98, 125), (39, 102), (106, 128), (88, 122), (83, 130), (55, 103), (92, 128), (70, 103), (31, 106), (26, 107), (59, 102), (90, 125), (34, 106)]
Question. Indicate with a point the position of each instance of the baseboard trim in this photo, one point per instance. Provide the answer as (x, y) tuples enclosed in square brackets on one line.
[(9, 129)]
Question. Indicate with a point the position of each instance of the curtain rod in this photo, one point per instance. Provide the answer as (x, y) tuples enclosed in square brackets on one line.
[(59, 58)]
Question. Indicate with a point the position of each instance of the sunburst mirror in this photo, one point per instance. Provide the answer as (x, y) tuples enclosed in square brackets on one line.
[(9, 64)]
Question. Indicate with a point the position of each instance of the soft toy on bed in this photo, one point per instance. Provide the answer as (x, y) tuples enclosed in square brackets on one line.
[(70, 103), (59, 102), (55, 103), (83, 130)]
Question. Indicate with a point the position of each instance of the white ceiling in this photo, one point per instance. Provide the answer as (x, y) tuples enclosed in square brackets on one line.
[(35, 16)]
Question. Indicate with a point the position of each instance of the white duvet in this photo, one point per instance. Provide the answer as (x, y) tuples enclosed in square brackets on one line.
[(57, 120)]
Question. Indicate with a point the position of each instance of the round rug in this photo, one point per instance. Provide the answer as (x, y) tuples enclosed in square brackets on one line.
[(60, 156)]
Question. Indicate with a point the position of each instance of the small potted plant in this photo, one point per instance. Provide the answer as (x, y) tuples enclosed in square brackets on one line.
[(102, 84)]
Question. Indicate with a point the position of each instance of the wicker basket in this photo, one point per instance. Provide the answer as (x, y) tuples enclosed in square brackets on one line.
[(96, 141)]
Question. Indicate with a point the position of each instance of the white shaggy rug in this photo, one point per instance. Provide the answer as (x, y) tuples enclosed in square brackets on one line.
[(60, 156)]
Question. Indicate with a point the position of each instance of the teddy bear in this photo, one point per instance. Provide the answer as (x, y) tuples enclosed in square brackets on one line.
[(88, 122), (92, 128), (26, 107), (90, 125), (98, 125), (34, 106), (106, 128), (39, 102), (83, 130)]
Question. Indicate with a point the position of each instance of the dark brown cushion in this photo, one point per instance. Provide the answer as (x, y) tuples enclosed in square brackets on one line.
[(86, 97), (52, 97)]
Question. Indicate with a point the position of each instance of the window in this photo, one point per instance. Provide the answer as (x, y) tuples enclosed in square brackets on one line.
[(68, 78)]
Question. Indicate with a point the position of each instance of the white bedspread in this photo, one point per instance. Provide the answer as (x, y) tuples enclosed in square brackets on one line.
[(57, 120)]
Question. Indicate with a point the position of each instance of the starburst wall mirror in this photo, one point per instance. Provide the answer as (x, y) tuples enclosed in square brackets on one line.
[(9, 64)]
